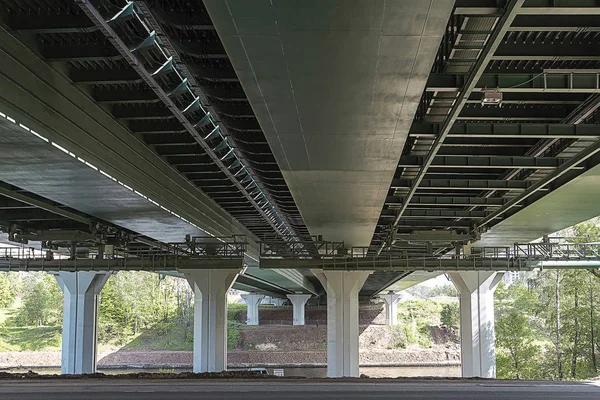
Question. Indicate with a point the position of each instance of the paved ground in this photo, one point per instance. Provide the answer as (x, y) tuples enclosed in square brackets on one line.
[(289, 390)]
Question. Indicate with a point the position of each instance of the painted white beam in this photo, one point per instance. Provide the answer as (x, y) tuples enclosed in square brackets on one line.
[(80, 319), (252, 300), (342, 289), (477, 336), (298, 303), (210, 288)]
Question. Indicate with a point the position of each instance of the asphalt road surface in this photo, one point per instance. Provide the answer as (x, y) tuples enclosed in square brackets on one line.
[(289, 390)]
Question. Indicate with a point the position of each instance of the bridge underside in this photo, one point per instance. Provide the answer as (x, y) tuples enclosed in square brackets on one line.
[(397, 151)]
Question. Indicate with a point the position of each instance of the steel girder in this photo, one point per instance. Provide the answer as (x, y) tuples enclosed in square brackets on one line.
[(551, 81), (510, 131), (482, 162)]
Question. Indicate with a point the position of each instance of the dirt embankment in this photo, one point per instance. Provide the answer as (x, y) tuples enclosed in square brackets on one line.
[(272, 343), (369, 314)]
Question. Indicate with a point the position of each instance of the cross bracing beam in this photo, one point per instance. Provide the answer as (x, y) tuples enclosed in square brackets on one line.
[(510, 131), (156, 126), (104, 76), (388, 215), (182, 21), (443, 214), (530, 7), (477, 69), (555, 23), (482, 162), (463, 184), (79, 52), (547, 82), (103, 94), (150, 111), (62, 23), (448, 201), (521, 113), (569, 165)]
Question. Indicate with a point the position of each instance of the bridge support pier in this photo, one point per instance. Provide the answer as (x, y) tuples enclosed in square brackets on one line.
[(277, 302), (342, 289), (210, 288), (298, 303), (252, 300), (477, 336), (391, 307), (80, 319)]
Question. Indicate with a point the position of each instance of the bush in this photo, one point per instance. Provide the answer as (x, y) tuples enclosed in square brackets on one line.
[(450, 315), (233, 334)]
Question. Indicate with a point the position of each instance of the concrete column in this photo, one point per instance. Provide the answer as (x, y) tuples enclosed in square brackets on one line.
[(80, 319), (298, 303), (277, 302), (391, 307), (342, 289), (210, 288), (252, 300), (477, 337)]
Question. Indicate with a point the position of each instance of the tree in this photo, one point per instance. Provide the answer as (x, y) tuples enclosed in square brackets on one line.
[(7, 295), (514, 335), (42, 301), (450, 315)]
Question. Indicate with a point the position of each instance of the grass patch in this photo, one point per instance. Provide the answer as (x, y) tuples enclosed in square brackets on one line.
[(21, 338), (165, 336)]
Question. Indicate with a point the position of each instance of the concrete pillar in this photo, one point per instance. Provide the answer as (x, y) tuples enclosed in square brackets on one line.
[(391, 307), (80, 319), (210, 288), (298, 302), (477, 337), (342, 289), (277, 302), (252, 300)]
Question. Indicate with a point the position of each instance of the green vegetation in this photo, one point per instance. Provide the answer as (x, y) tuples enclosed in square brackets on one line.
[(138, 310), (414, 321), (423, 291), (450, 315), (547, 325)]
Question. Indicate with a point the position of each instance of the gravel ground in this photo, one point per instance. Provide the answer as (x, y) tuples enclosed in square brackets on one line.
[(184, 358)]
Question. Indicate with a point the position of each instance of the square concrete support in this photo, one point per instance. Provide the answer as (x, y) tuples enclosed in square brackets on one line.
[(298, 302), (391, 307), (80, 319), (342, 320), (477, 336), (252, 300), (210, 288)]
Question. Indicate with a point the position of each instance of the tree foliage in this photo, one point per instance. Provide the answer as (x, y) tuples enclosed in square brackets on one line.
[(548, 326), (7, 292), (134, 301), (450, 315), (515, 336), (42, 300)]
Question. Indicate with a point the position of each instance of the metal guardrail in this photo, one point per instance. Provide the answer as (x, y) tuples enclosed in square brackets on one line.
[(229, 252), (519, 257), (194, 253)]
